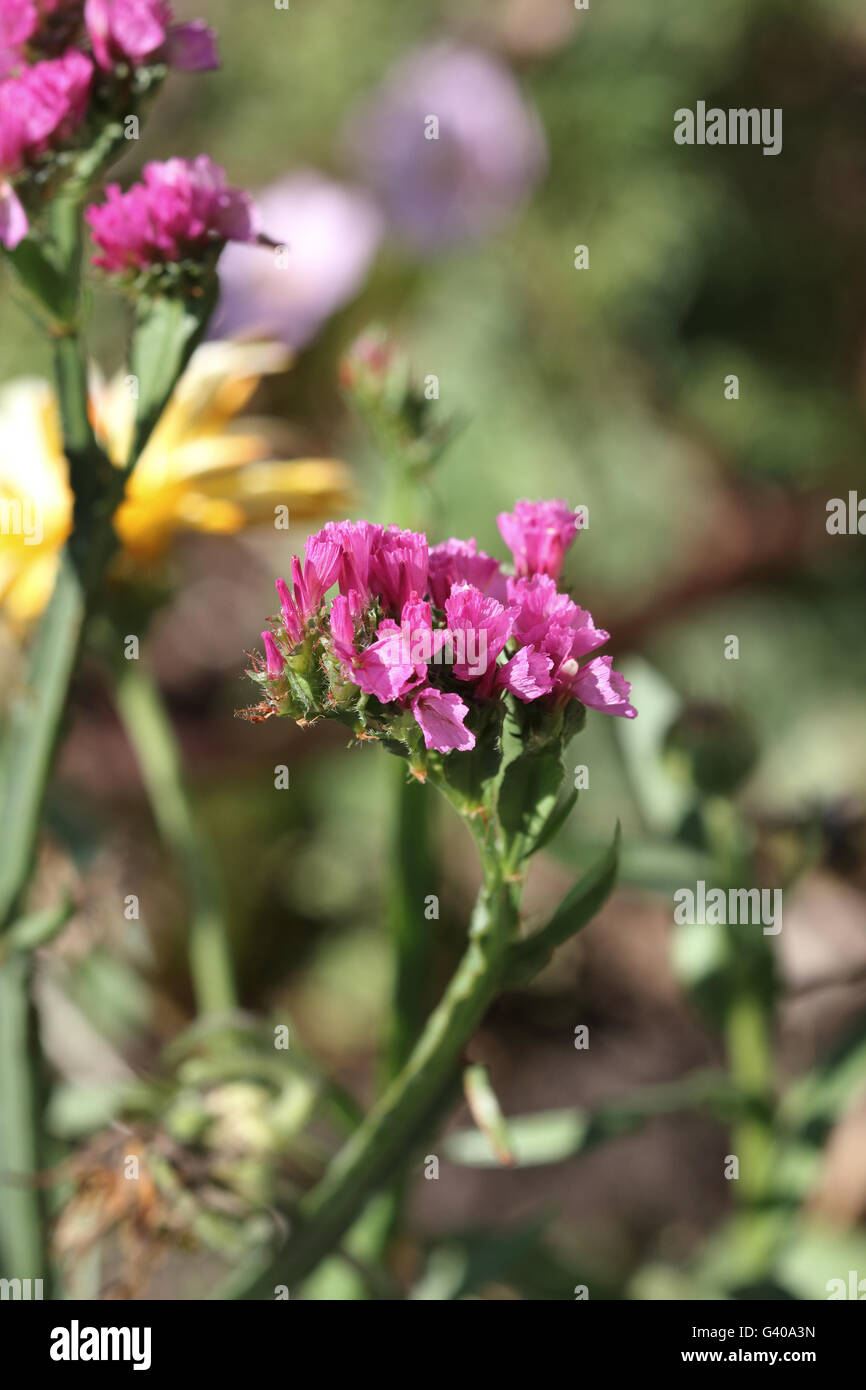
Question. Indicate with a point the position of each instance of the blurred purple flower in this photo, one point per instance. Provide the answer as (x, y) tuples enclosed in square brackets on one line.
[(327, 235), (462, 179)]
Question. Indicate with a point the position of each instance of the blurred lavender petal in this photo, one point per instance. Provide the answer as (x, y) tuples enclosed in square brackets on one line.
[(489, 154), (327, 234)]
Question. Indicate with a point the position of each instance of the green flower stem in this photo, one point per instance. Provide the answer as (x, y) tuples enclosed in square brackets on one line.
[(411, 875), (32, 736), (412, 862), (750, 1058), (411, 1102), (23, 1215), (52, 272), (748, 1031), (411, 878), (150, 731)]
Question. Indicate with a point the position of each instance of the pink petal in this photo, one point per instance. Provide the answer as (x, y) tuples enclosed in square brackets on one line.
[(192, 47), (440, 717), (13, 219), (527, 674), (272, 652), (600, 687)]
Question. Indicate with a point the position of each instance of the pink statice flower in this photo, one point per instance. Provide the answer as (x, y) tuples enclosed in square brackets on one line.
[(485, 627), (441, 718), (398, 566), (380, 560), (180, 210), (273, 656), (310, 583), (598, 686), (384, 668), (36, 28), (412, 651), (144, 31), (355, 542), (40, 108), (526, 675), (461, 562), (19, 20), (538, 534)]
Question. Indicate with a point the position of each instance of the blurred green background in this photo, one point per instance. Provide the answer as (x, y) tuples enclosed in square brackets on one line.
[(707, 518)]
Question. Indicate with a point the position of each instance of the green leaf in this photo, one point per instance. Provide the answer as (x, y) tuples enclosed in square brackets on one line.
[(169, 328), (38, 928), (662, 800), (556, 820), (577, 908), (55, 294), (817, 1263), (552, 1136), (486, 1112), (77, 1110), (527, 799), (817, 1100), (469, 777), (458, 1268)]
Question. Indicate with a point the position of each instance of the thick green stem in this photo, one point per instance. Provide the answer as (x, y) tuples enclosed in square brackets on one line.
[(411, 1102), (31, 739), (22, 1205), (410, 881), (748, 1029), (32, 734), (34, 725), (750, 1060), (150, 731)]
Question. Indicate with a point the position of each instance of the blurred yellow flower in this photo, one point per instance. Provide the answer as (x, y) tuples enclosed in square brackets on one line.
[(202, 469)]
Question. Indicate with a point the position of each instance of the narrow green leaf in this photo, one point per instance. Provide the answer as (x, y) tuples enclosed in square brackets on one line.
[(43, 279), (487, 1113), (168, 330), (527, 799), (551, 1136), (458, 1268), (38, 928), (577, 908), (556, 820), (816, 1100)]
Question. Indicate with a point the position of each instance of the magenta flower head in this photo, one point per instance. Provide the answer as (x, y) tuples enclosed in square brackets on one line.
[(182, 211), (450, 146), (429, 651), (40, 109), (19, 20), (143, 32), (538, 534), (461, 562), (36, 28)]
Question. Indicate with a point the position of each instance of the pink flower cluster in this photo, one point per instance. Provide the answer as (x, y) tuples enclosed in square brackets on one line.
[(132, 32), (21, 21), (39, 108), (143, 31), (42, 103), (399, 607), (180, 209)]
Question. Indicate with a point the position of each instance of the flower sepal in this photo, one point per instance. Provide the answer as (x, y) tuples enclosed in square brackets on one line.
[(527, 798), (469, 781)]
